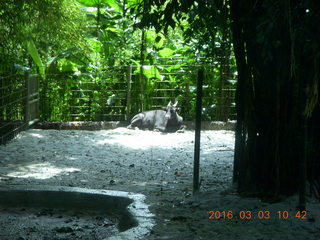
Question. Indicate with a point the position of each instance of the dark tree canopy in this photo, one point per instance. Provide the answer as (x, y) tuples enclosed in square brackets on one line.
[(51, 24), (277, 50)]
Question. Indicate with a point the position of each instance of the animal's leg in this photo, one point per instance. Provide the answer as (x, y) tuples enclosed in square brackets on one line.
[(182, 128), (135, 122), (159, 128)]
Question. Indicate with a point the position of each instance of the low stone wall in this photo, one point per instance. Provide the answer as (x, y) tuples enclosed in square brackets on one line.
[(80, 125), (212, 125), (205, 125)]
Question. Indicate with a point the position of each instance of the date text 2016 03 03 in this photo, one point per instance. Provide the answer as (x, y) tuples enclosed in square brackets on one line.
[(263, 214)]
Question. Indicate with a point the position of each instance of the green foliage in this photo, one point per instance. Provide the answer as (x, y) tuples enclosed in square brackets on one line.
[(65, 65), (150, 72), (47, 27), (32, 50), (97, 3), (80, 46), (166, 52)]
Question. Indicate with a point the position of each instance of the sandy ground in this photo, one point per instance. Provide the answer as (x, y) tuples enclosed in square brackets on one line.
[(159, 166)]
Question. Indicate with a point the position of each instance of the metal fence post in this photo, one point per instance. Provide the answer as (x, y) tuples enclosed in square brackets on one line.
[(196, 166), (128, 76), (27, 101), (31, 99)]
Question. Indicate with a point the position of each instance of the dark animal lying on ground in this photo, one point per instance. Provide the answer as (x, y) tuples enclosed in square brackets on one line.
[(166, 120)]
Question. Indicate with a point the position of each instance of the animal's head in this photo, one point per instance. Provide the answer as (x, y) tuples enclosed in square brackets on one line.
[(171, 110)]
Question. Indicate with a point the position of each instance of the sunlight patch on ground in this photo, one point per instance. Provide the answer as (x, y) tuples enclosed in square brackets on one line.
[(40, 171), (138, 139), (36, 135)]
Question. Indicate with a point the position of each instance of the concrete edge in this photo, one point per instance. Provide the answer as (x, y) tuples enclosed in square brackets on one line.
[(137, 208)]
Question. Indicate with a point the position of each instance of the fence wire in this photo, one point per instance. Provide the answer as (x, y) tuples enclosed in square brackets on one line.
[(119, 92), (12, 106)]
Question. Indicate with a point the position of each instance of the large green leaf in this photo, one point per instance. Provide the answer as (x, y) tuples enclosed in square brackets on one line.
[(32, 50), (151, 36), (95, 44), (149, 72), (65, 65), (90, 3), (159, 41), (166, 52), (154, 38), (175, 67), (61, 55), (95, 3)]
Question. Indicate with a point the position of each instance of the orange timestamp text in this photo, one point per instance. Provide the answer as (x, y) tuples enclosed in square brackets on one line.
[(263, 214)]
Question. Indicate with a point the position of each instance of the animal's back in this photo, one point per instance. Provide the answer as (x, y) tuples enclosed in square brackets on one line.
[(148, 119), (167, 120), (153, 119)]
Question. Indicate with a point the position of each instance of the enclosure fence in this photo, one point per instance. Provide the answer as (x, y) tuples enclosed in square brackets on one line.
[(120, 92), (114, 94), (19, 104)]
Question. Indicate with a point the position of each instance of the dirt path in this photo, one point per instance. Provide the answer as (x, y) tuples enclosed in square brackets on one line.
[(159, 166)]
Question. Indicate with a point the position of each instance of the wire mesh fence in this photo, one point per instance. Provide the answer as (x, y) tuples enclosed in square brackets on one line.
[(114, 94), (119, 92), (18, 104)]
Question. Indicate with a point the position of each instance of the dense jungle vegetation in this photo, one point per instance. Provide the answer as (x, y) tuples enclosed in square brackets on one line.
[(83, 50), (276, 48)]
